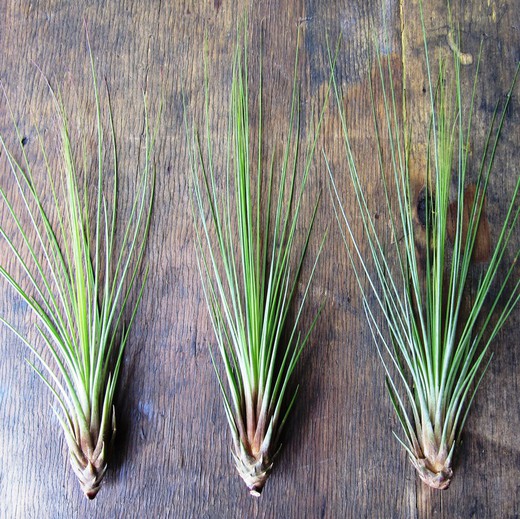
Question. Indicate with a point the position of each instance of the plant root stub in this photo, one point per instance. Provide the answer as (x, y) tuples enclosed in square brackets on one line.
[(439, 479), (254, 472), (90, 475)]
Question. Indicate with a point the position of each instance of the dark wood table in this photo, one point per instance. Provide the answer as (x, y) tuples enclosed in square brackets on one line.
[(172, 456)]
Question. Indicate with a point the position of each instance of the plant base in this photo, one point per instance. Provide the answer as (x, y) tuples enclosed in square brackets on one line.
[(254, 471), (435, 475), (90, 474)]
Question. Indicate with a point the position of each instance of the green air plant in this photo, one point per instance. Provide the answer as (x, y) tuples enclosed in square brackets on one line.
[(433, 348), (81, 281), (250, 264)]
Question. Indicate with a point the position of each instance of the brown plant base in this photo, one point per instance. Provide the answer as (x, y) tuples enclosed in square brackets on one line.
[(434, 476), (88, 456), (254, 471), (90, 474)]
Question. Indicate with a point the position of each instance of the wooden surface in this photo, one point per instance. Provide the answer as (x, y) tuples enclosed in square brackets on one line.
[(172, 456)]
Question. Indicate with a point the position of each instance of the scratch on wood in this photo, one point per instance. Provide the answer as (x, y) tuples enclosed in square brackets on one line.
[(303, 20), (465, 58)]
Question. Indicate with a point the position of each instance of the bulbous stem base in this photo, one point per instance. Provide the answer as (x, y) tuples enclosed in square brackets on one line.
[(436, 474), (254, 471)]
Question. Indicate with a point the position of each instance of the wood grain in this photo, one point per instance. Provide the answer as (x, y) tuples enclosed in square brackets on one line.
[(172, 456)]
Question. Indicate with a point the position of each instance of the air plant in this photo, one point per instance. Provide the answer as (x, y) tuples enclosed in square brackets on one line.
[(434, 348), (250, 264), (80, 279)]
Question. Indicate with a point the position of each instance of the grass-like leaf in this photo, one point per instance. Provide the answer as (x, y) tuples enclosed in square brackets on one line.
[(432, 343), (82, 282), (250, 265)]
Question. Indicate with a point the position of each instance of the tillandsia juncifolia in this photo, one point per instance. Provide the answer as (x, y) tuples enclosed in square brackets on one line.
[(433, 344), (80, 270), (250, 261)]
